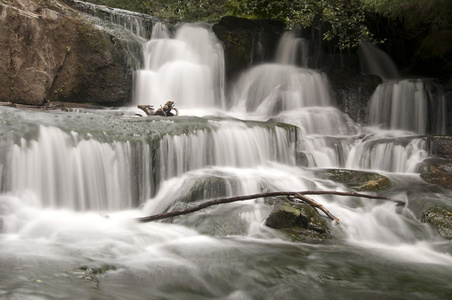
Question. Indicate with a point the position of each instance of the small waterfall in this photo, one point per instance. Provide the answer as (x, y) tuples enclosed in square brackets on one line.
[(415, 105), (293, 51), (136, 23), (188, 69), (65, 171), (376, 62), (269, 89), (231, 144), (390, 155)]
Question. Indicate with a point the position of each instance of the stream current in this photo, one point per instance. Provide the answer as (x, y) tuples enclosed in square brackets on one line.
[(72, 182)]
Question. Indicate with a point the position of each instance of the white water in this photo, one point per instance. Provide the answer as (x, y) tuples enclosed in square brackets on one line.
[(187, 69), (413, 105), (293, 51), (69, 196)]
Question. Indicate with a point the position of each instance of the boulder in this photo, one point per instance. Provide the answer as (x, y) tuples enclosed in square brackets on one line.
[(437, 171), (438, 168), (49, 53), (299, 220), (441, 219)]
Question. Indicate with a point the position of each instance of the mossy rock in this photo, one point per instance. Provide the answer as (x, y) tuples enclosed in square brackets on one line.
[(441, 219), (437, 171), (299, 221), (357, 180)]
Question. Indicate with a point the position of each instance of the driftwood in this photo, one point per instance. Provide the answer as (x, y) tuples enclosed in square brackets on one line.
[(299, 196), (165, 111)]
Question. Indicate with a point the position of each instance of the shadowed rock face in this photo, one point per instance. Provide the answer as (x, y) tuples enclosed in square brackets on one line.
[(47, 53)]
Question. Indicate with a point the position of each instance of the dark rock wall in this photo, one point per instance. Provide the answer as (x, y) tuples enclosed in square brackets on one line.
[(247, 42)]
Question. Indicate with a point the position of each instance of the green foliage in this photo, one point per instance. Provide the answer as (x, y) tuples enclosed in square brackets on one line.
[(438, 13), (340, 21)]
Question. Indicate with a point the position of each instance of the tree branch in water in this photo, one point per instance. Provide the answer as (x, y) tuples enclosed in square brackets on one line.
[(291, 195)]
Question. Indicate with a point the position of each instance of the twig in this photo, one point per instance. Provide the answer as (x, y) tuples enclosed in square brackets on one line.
[(299, 195)]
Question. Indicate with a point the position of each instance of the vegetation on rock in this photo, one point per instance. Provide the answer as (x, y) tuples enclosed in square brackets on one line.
[(357, 180), (441, 219), (299, 220)]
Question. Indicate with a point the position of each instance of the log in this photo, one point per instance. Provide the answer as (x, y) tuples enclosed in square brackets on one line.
[(291, 195)]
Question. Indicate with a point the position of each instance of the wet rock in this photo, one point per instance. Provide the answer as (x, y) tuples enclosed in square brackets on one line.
[(49, 53), (352, 91), (440, 146), (441, 219), (357, 180), (437, 171), (299, 220)]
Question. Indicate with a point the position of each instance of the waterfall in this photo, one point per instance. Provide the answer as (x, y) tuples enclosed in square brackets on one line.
[(293, 51), (377, 62), (269, 89), (72, 182), (188, 69), (69, 170), (414, 105)]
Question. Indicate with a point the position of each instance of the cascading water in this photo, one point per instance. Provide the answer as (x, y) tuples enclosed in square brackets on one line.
[(414, 105), (293, 51), (188, 69), (72, 182)]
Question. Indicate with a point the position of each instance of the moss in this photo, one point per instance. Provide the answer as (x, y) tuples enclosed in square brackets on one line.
[(358, 180), (298, 221), (441, 219)]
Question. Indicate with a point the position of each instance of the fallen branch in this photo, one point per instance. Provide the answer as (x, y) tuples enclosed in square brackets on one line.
[(315, 205), (298, 195)]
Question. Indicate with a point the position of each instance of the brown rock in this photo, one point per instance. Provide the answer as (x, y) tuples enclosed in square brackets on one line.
[(48, 53)]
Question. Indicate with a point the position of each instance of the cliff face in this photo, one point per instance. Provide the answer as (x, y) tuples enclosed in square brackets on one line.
[(48, 53)]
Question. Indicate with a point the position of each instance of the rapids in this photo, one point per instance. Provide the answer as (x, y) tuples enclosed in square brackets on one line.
[(72, 182)]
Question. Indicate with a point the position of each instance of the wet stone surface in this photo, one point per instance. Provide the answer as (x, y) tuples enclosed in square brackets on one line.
[(299, 220)]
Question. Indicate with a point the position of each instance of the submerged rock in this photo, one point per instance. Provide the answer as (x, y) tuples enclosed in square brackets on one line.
[(357, 180), (299, 221), (441, 219)]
